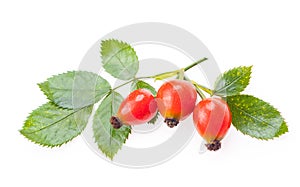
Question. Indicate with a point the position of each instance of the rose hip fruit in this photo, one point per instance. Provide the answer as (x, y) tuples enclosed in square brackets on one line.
[(137, 108), (176, 100), (212, 120)]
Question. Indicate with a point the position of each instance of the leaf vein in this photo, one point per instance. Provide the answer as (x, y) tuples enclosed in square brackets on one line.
[(231, 83), (115, 55), (56, 121), (253, 117)]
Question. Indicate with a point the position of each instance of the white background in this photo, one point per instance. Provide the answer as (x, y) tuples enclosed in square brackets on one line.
[(39, 39)]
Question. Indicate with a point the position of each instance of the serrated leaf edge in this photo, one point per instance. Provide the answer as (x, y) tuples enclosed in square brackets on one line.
[(128, 46), (61, 74), (109, 155), (276, 135), (221, 75), (46, 145), (154, 119)]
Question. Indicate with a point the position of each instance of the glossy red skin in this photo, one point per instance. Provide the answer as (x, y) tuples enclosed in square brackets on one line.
[(137, 108), (176, 99), (212, 118)]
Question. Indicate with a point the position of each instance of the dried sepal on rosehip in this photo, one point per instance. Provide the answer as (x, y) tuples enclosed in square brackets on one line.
[(176, 100), (212, 120), (137, 108)]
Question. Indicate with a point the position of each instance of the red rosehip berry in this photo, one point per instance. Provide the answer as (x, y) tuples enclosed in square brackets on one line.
[(212, 119), (137, 108), (176, 100)]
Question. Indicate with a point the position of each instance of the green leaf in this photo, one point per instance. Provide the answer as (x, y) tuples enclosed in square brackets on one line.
[(109, 140), (154, 119), (51, 126), (233, 81), (46, 90), (282, 130), (256, 117), (75, 89), (138, 84), (119, 59)]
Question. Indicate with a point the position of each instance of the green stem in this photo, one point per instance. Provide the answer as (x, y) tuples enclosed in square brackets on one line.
[(181, 74), (195, 63), (124, 83), (207, 90), (176, 72), (201, 87), (200, 93), (170, 74), (165, 75)]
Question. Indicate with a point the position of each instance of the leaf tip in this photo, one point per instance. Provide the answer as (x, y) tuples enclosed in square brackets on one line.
[(282, 130)]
